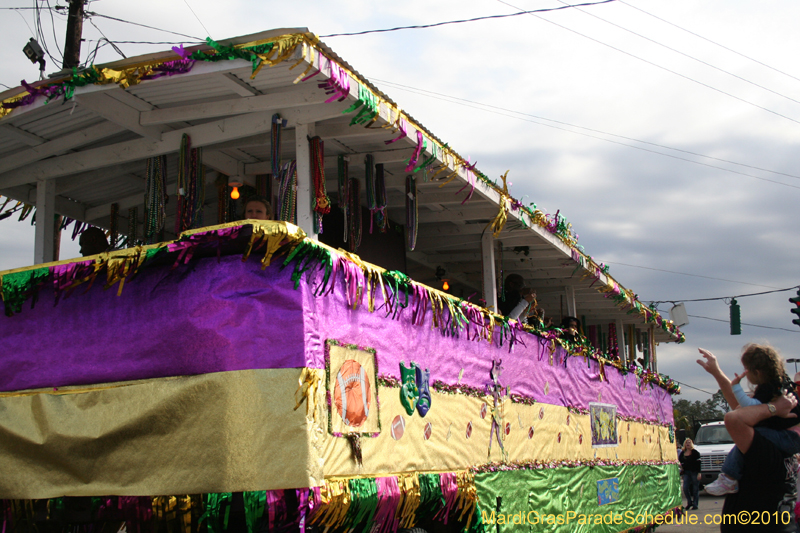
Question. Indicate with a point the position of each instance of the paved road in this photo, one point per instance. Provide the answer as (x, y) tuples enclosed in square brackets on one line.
[(709, 506)]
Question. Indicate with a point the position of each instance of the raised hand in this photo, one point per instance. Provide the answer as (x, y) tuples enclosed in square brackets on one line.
[(710, 364), (739, 377)]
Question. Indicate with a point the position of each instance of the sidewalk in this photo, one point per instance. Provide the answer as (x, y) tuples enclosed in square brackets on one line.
[(709, 506)]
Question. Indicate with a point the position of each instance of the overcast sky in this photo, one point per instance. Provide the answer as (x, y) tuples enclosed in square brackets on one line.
[(588, 117)]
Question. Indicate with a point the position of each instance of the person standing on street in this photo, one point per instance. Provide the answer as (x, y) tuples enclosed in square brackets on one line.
[(690, 467)]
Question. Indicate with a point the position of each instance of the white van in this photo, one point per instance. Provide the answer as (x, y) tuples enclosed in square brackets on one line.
[(713, 442)]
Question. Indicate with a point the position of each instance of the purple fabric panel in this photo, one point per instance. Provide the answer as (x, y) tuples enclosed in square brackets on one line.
[(527, 370), (198, 318)]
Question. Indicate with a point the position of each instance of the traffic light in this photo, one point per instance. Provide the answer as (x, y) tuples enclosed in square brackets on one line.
[(736, 318), (796, 308)]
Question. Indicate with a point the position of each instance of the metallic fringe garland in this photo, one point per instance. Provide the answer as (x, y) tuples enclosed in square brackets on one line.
[(323, 270), (378, 505), (371, 504), (386, 504)]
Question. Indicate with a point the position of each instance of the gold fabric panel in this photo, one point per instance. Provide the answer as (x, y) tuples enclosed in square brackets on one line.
[(448, 449), (221, 432)]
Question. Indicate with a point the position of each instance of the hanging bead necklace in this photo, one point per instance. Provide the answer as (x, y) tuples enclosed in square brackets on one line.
[(197, 186), (354, 207), (288, 192), (322, 204), (344, 189), (133, 213), (369, 181), (613, 347), (113, 226), (155, 198), (183, 178), (380, 198), (191, 187), (411, 211), (275, 146), (376, 193)]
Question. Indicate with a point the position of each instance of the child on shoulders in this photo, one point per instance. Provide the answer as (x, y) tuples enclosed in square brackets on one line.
[(764, 368)]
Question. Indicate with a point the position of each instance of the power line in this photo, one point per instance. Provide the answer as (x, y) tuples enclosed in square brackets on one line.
[(423, 26), (136, 42), (143, 25), (658, 66), (90, 58), (724, 297), (710, 41), (37, 24), (746, 324), (691, 387), (595, 131), (53, 24), (109, 41), (26, 22), (686, 55), (446, 99), (198, 18), (685, 274)]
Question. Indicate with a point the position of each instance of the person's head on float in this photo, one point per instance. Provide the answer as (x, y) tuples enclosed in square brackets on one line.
[(93, 241), (570, 322), (514, 283), (258, 208)]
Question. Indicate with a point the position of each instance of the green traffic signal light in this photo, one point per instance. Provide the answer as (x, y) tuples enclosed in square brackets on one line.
[(796, 308), (736, 318)]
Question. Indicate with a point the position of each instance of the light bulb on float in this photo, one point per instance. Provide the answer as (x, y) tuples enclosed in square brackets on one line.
[(235, 182)]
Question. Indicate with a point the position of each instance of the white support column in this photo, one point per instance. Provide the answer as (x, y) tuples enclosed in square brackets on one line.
[(569, 296), (489, 274), (652, 340), (305, 181), (623, 346), (45, 211)]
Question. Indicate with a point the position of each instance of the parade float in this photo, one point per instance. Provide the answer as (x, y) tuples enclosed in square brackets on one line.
[(303, 373)]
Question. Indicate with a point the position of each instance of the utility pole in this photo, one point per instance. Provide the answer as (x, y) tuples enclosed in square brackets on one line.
[(72, 58), (72, 43)]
